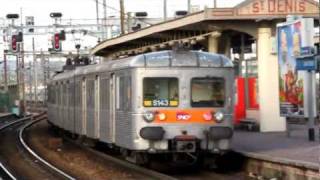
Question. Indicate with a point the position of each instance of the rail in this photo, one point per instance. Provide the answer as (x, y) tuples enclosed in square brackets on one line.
[(3, 168), (35, 155), (123, 163)]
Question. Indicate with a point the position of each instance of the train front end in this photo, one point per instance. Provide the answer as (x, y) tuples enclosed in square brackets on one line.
[(186, 109)]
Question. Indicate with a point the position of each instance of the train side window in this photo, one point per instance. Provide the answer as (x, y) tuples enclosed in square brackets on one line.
[(207, 92), (53, 94), (104, 94), (56, 91), (90, 94), (123, 85), (118, 92), (160, 92), (49, 94), (60, 94)]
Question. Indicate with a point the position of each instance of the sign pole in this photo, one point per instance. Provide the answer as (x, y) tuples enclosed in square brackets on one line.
[(311, 124), (319, 54)]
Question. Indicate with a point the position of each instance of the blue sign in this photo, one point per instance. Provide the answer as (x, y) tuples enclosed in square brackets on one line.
[(306, 51), (307, 63)]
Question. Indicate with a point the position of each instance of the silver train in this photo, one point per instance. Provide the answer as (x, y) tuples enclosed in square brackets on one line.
[(174, 103)]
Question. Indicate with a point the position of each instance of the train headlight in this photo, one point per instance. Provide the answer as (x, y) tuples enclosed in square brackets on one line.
[(208, 116), (148, 116), (161, 116), (219, 116)]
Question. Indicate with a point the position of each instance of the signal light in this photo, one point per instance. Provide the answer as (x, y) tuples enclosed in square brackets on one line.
[(56, 15), (20, 37), (62, 35), (12, 16), (56, 42), (14, 46), (141, 14)]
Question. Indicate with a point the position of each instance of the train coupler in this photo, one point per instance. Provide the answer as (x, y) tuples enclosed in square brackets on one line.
[(185, 143)]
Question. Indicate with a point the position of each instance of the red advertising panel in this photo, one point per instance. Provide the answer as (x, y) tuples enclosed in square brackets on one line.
[(253, 93), (240, 107)]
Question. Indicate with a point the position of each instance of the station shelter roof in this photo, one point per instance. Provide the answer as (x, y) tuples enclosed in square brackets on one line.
[(209, 22)]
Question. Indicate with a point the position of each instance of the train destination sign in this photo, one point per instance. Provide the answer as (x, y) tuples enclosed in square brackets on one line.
[(277, 7)]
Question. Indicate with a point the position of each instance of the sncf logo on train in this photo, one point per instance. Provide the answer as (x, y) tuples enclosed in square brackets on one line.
[(183, 116)]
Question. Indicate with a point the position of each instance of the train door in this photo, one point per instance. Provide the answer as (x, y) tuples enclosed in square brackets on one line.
[(78, 106), (105, 109), (61, 104), (113, 107)]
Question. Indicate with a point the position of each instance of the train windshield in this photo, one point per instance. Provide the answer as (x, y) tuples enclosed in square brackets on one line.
[(160, 92), (207, 92)]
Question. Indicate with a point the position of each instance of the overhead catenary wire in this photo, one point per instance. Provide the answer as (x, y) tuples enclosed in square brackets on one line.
[(118, 11)]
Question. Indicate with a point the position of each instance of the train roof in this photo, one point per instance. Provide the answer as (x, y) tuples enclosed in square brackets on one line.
[(180, 58)]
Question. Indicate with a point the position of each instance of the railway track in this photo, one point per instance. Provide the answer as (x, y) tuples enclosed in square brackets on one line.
[(149, 173), (173, 174), (18, 160), (143, 173), (45, 170), (5, 173)]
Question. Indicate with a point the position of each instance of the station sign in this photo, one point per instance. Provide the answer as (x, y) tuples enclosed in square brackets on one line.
[(307, 51), (277, 7), (295, 52), (306, 63)]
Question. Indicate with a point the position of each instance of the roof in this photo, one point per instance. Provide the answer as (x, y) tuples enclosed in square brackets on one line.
[(179, 58), (205, 22)]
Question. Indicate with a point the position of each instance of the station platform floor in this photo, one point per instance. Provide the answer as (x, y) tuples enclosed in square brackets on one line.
[(3, 115), (276, 147)]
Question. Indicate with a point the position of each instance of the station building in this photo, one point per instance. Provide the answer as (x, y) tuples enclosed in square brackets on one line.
[(245, 33)]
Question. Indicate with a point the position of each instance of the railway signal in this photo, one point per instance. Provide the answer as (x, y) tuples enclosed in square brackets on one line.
[(14, 46), (56, 42)]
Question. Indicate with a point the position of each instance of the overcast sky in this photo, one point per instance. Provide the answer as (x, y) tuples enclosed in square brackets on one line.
[(85, 9)]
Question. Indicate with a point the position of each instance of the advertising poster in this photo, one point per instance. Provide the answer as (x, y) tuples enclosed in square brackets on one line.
[(292, 83)]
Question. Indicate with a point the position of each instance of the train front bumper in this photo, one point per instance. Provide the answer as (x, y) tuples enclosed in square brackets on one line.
[(157, 133), (206, 138), (152, 133)]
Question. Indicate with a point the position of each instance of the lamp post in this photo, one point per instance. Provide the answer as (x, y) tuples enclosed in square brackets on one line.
[(165, 10)]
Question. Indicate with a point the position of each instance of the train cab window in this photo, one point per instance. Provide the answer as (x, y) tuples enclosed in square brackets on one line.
[(207, 92), (160, 92)]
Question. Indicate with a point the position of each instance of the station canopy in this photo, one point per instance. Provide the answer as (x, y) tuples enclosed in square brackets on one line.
[(196, 27)]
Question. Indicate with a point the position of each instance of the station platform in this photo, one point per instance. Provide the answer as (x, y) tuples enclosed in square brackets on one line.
[(277, 148), (5, 115)]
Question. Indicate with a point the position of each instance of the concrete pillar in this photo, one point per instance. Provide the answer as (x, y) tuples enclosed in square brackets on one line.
[(268, 80), (213, 42), (227, 47)]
